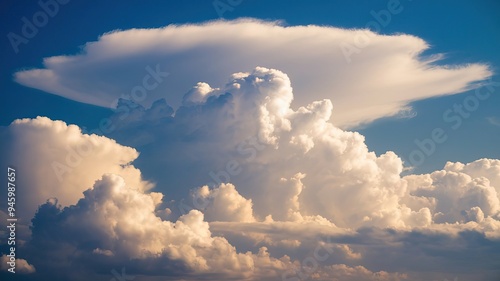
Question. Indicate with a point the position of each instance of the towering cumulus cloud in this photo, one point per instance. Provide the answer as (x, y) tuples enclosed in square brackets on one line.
[(61, 162), (147, 64), (276, 193)]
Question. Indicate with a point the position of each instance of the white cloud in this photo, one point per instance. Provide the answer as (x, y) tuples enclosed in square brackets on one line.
[(295, 164), (21, 265), (305, 163), (380, 81), (56, 160), (460, 193), (224, 203), (115, 220), (289, 179)]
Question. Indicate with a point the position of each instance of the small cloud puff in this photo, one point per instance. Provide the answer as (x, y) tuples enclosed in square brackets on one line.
[(21, 265)]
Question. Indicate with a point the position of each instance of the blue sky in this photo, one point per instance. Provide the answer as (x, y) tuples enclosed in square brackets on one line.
[(463, 30), (238, 144)]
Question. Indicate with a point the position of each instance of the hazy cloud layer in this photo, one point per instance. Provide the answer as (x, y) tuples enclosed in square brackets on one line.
[(367, 75)]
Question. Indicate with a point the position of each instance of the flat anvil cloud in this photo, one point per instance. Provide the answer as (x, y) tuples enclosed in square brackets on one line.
[(378, 80)]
